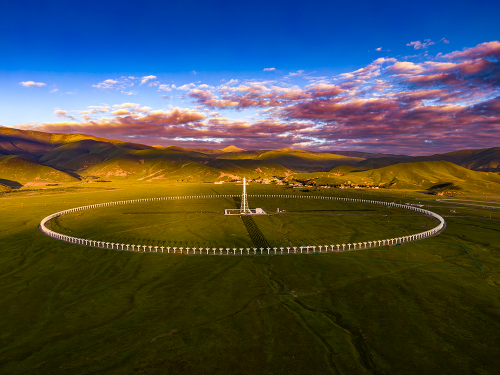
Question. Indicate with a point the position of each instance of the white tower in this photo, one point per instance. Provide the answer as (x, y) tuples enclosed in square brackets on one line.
[(244, 202)]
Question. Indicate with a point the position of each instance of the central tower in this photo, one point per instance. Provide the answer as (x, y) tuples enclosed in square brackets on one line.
[(244, 202), (244, 209)]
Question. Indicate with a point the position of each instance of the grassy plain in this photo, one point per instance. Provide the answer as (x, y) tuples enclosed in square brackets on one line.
[(430, 307)]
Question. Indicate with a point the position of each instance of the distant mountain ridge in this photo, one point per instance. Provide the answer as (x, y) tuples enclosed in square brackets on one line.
[(69, 157), (486, 159)]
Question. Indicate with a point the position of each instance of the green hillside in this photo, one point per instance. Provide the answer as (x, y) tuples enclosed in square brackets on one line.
[(78, 155), (138, 167), (487, 159), (249, 168), (418, 175), (429, 173), (22, 170)]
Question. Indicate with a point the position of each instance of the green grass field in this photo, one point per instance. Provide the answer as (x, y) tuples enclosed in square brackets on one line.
[(428, 307)]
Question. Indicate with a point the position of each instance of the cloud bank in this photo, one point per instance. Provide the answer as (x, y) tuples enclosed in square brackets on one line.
[(410, 106)]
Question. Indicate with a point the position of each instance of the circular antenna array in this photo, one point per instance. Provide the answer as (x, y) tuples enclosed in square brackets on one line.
[(247, 250)]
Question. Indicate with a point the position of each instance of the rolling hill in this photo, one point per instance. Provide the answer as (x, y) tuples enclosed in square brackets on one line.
[(425, 175), (298, 160), (18, 170), (36, 157)]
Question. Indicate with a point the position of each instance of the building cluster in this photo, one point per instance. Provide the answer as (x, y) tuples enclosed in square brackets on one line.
[(297, 184)]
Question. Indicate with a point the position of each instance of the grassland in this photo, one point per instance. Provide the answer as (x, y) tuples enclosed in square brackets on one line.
[(428, 307)]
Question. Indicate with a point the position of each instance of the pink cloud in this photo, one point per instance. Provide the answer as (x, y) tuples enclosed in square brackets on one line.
[(32, 84), (483, 50)]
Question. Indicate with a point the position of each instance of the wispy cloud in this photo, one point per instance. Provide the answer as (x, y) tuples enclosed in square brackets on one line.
[(269, 69), (108, 84), (164, 88), (121, 83), (146, 79), (426, 43), (126, 105), (185, 87), (32, 84), (63, 114)]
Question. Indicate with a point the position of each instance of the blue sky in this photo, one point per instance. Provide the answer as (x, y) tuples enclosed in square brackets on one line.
[(69, 50)]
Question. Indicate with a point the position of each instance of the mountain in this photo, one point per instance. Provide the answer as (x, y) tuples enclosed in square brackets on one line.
[(35, 144), (364, 155), (38, 157), (299, 160), (487, 159), (16, 171)]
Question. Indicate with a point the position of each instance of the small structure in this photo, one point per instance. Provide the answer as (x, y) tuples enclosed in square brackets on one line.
[(244, 209)]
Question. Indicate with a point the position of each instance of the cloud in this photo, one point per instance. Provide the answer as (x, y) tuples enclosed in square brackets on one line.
[(413, 105), (102, 108), (185, 87), (325, 90), (32, 84), (54, 90), (145, 79), (426, 43), (419, 45), (121, 83), (378, 49), (108, 84), (121, 112), (201, 95), (269, 69), (126, 105), (406, 67), (489, 50), (164, 88), (295, 74), (63, 114)]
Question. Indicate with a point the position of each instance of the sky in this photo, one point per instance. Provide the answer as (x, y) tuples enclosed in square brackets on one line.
[(393, 77)]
